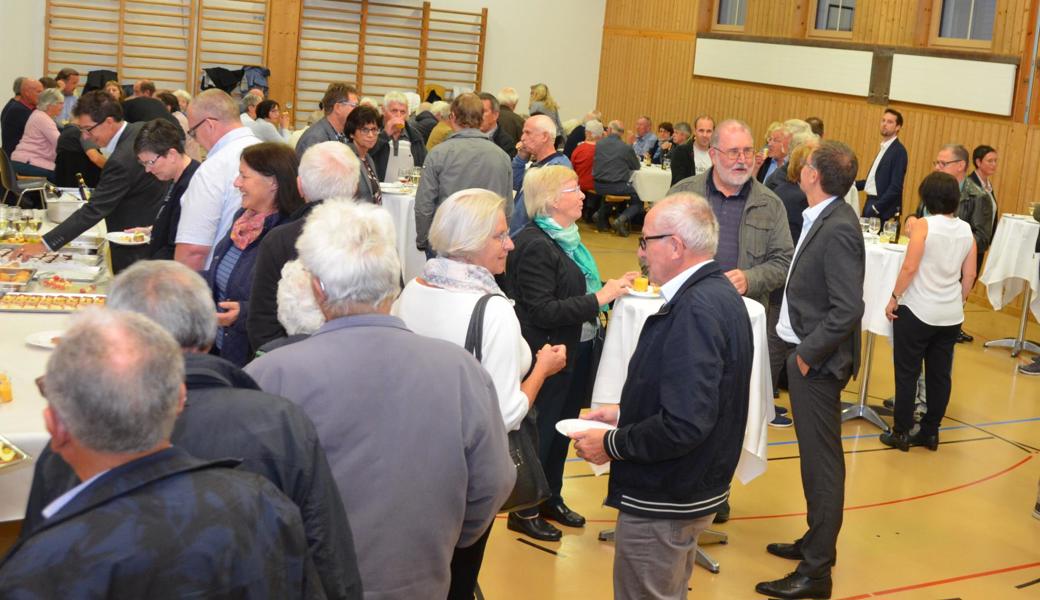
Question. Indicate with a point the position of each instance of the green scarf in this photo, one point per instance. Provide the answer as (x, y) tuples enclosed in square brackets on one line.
[(569, 240)]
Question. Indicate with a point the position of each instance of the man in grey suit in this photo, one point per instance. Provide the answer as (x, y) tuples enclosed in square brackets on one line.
[(126, 196), (819, 328)]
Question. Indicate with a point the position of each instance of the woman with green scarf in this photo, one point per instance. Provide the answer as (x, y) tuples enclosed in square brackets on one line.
[(553, 279)]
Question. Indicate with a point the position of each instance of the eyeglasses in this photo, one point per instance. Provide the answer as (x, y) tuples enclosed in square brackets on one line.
[(570, 190), (149, 163), (649, 238), (349, 103), (502, 237), (88, 130), (369, 130), (191, 131), (735, 153), (942, 164)]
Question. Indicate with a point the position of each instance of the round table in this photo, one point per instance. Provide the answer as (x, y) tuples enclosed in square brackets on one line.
[(1013, 267), (651, 183), (402, 210)]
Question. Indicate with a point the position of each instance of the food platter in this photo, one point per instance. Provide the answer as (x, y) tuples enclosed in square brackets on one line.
[(48, 303)]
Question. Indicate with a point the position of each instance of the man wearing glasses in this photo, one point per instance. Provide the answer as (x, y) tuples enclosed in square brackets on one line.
[(126, 196), (338, 102), (208, 207)]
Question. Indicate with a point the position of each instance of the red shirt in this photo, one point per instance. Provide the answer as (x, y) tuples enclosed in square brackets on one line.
[(581, 158)]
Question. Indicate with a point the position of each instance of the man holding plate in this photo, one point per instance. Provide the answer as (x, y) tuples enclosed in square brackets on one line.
[(683, 407)]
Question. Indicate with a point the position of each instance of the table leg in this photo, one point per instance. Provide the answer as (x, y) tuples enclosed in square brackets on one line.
[(861, 410), (702, 558), (1019, 343)]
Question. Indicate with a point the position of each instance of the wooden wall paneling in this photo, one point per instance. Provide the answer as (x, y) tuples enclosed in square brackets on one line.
[(283, 50), (231, 33), (670, 15), (329, 43), (390, 43), (144, 54), (455, 49), (84, 37)]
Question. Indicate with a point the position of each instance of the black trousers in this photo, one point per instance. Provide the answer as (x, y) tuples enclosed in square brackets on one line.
[(465, 567), (562, 397), (915, 341), (816, 406)]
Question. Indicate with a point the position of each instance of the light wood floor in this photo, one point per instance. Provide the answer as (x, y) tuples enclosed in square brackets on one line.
[(956, 523)]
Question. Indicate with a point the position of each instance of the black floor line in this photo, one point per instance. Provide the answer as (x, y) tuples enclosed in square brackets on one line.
[(534, 545), (1020, 445), (865, 450), (1027, 584)]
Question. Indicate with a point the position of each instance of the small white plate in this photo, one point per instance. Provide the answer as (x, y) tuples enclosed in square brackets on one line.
[(44, 339), (569, 426), (391, 188), (126, 239), (646, 294)]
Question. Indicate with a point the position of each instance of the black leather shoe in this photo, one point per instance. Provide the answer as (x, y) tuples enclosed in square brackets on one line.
[(788, 551), (722, 515), (559, 512), (928, 441), (896, 439), (889, 403), (964, 337), (796, 585), (535, 527)]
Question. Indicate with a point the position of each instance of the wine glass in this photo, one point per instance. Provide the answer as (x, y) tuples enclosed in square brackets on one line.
[(864, 224), (874, 224), (890, 232)]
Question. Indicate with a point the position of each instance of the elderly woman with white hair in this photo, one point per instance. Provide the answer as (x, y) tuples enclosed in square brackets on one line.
[(298, 311), (35, 153), (471, 238), (555, 283), (409, 423)]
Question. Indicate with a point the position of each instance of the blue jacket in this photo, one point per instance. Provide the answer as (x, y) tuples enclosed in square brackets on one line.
[(235, 342), (167, 525), (891, 172), (684, 404)]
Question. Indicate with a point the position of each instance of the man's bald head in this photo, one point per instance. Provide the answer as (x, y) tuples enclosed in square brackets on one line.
[(30, 91)]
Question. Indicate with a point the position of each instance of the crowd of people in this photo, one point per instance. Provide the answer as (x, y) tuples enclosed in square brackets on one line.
[(258, 321)]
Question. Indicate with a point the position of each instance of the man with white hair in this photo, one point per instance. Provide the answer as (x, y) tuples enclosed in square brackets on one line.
[(510, 122), (537, 148), (208, 207), (442, 112), (226, 414), (247, 108), (149, 519), (327, 170), (386, 449), (683, 407), (400, 145), (489, 125)]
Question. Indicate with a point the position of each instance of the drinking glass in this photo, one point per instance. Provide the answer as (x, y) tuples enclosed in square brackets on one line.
[(890, 231), (4, 222), (864, 224), (875, 225), (666, 164)]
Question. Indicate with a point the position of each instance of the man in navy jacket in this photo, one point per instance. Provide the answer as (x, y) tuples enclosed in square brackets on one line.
[(683, 407), (884, 181)]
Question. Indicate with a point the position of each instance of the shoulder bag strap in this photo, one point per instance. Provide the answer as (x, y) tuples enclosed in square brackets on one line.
[(475, 333)]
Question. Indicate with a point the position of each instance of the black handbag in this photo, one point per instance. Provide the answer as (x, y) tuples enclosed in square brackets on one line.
[(531, 488)]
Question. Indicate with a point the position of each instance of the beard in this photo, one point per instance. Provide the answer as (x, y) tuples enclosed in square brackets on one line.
[(735, 176)]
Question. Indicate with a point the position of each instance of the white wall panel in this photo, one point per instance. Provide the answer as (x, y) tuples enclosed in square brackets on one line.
[(952, 83)]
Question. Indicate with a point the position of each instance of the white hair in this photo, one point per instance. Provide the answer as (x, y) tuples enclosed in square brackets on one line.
[(464, 222), (689, 217), (182, 95), (298, 310), (441, 109), (396, 97), (115, 381), (329, 170), (595, 128), (351, 249), (800, 132), (508, 96), (544, 123), (48, 98)]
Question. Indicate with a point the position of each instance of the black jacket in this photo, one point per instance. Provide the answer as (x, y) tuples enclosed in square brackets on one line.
[(164, 231), (12, 124), (72, 159), (575, 137), (227, 415), (504, 141), (140, 109), (684, 405), (380, 153), (512, 123), (683, 165), (277, 248), (424, 123), (549, 291)]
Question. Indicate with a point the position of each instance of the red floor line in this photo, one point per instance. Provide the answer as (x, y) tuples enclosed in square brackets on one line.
[(874, 504), (917, 586)]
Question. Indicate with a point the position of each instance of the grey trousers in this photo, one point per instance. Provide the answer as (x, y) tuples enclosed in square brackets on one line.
[(653, 558), (816, 404)]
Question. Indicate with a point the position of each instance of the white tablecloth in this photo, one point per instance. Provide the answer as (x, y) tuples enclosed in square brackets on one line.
[(651, 183), (402, 209), (883, 262), (1013, 262), (626, 322)]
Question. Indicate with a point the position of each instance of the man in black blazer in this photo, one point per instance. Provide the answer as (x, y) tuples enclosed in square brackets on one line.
[(884, 181), (126, 196), (819, 328)]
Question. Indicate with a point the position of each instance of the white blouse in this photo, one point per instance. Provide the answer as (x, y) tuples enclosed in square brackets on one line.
[(934, 294), (445, 314)]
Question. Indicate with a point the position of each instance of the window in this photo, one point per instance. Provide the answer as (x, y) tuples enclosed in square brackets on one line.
[(731, 13), (970, 20), (835, 15)]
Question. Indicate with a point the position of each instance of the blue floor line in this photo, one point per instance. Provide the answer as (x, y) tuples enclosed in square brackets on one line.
[(874, 435)]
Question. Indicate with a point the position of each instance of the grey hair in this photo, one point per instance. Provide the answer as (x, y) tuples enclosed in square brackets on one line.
[(544, 123), (616, 127), (593, 115), (329, 170), (172, 295), (595, 128), (48, 98), (298, 310), (351, 249), (689, 217), (464, 222), (397, 97), (729, 124), (684, 127), (247, 101), (508, 96), (17, 87), (801, 133), (441, 109), (115, 381), (959, 152)]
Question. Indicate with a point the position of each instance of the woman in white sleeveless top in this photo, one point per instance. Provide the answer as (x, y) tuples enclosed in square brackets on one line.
[(927, 309)]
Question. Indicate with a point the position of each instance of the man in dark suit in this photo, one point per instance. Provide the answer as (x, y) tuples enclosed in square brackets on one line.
[(144, 106), (884, 182), (148, 520), (126, 196), (489, 125), (683, 408), (819, 329)]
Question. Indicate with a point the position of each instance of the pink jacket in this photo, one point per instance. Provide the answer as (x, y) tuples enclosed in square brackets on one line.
[(39, 143)]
